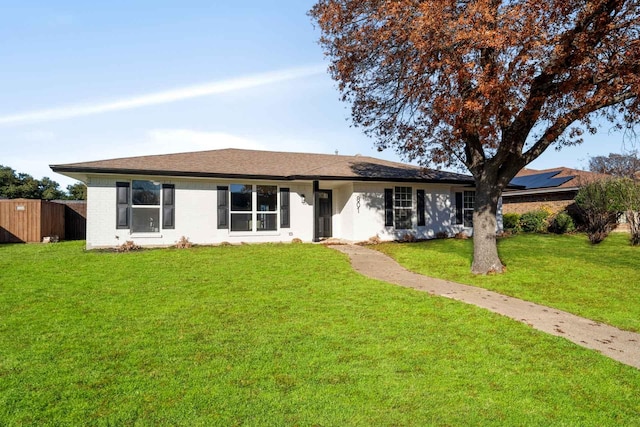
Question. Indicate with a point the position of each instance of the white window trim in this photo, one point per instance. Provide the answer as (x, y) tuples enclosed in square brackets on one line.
[(466, 207), (397, 208), (254, 213), (158, 207)]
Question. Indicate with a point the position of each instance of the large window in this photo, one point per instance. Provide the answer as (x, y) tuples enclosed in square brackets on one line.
[(402, 208), (254, 208), (469, 202), (144, 206)]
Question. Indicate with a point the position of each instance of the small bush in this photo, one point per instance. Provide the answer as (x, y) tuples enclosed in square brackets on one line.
[(374, 240), (534, 221), (562, 223), (598, 206), (511, 222), (128, 246), (183, 243), (296, 240), (461, 236)]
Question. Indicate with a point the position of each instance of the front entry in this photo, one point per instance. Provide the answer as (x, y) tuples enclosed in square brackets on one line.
[(324, 214)]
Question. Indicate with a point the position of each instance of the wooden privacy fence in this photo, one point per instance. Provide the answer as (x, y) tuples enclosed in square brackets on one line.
[(75, 219), (24, 220)]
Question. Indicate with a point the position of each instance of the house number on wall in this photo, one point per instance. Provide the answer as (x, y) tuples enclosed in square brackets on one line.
[(358, 203)]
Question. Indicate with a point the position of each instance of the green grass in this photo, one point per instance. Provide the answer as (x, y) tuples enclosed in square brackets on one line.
[(274, 335), (600, 282)]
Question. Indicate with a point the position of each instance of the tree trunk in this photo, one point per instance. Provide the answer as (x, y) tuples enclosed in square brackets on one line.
[(633, 218), (485, 249)]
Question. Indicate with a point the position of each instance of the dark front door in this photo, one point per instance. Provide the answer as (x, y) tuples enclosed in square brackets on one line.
[(325, 213)]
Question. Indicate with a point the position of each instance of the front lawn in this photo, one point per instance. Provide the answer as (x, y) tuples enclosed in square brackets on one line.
[(274, 335), (600, 282)]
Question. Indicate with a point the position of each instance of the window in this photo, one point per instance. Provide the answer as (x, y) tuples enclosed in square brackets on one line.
[(241, 207), (469, 201), (145, 207), (402, 208), (139, 206), (267, 196), (253, 208)]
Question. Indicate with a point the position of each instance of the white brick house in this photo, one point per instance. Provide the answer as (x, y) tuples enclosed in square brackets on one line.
[(263, 196)]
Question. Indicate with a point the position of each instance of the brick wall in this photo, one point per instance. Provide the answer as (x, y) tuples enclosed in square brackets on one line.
[(520, 204)]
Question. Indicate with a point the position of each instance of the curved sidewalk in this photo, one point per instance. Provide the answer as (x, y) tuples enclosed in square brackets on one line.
[(623, 346)]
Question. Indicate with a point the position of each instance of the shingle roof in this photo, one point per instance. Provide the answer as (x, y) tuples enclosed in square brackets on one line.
[(231, 163)]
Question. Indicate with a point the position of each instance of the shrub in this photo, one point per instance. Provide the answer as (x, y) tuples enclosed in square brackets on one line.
[(562, 223), (534, 221), (183, 243), (461, 236), (374, 240), (296, 240), (128, 246), (511, 222), (597, 203)]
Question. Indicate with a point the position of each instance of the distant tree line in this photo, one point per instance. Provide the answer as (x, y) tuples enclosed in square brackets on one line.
[(15, 185), (617, 165)]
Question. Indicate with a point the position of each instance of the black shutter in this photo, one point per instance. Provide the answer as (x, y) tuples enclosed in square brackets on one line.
[(388, 207), (421, 219), (459, 208), (223, 207), (122, 205), (284, 208), (168, 206)]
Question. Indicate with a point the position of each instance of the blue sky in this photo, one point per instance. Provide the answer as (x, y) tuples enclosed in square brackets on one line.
[(95, 80)]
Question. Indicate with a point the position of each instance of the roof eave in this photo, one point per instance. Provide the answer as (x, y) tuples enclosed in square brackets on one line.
[(539, 191), (191, 174)]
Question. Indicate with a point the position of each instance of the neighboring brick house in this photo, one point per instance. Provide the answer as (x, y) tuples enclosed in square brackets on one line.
[(553, 189)]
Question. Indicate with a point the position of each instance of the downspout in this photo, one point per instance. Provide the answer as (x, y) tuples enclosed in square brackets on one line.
[(316, 211)]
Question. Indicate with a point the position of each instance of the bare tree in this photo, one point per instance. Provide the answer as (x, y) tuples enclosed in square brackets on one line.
[(618, 165)]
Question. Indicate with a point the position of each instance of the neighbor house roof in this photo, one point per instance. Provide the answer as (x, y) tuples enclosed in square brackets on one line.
[(236, 163), (551, 180)]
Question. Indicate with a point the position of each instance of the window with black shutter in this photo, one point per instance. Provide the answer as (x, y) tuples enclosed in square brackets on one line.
[(223, 207), (284, 208), (168, 206), (122, 205)]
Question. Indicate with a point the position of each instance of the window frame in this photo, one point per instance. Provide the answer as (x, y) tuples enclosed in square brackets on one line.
[(468, 206), (126, 212), (403, 208), (154, 208), (258, 222)]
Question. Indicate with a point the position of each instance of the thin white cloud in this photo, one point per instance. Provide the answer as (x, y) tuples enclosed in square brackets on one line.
[(212, 88)]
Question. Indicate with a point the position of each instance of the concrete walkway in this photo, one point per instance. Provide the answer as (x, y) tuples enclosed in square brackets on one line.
[(615, 343)]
